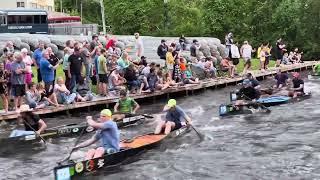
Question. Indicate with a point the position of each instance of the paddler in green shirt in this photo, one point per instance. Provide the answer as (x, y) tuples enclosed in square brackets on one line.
[(125, 107), (316, 69)]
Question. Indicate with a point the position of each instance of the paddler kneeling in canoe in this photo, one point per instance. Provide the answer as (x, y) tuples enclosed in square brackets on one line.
[(125, 107), (32, 123), (298, 86), (247, 93), (107, 133), (175, 117)]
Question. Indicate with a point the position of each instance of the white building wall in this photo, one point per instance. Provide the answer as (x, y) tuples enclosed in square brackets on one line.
[(40, 4)]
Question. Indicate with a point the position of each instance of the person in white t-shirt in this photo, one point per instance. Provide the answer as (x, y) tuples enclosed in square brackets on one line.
[(246, 51), (139, 45), (28, 62)]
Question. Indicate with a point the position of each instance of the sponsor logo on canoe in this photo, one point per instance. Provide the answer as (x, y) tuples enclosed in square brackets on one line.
[(90, 165), (75, 130), (64, 131), (100, 163), (79, 167), (89, 129)]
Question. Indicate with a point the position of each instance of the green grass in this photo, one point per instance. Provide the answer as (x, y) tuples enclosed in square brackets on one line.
[(60, 73)]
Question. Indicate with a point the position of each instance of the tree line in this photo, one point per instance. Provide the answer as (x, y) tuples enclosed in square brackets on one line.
[(296, 21)]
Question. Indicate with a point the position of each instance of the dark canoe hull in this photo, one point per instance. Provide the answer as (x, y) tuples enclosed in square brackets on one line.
[(230, 110), (67, 131), (82, 168), (313, 77)]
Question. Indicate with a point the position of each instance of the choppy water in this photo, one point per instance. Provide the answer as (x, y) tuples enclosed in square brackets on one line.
[(281, 145)]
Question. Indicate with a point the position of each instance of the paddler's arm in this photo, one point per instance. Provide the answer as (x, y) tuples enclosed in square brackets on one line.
[(188, 119), (95, 124), (42, 126), (116, 107), (86, 143), (136, 107)]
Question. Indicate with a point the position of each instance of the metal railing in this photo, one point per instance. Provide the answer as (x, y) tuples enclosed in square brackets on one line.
[(84, 29)]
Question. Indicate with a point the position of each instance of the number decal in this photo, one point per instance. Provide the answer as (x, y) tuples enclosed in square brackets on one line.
[(223, 110), (63, 174)]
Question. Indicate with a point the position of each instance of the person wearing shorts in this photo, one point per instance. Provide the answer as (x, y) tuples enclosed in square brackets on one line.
[(18, 69), (175, 117), (245, 52), (103, 73)]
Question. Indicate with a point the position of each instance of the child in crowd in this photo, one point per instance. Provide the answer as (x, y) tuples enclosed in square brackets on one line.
[(170, 61), (285, 59), (3, 87)]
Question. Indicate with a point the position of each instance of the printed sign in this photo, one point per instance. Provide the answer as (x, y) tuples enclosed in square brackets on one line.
[(30, 137), (223, 110), (63, 174), (19, 27), (100, 163), (90, 165)]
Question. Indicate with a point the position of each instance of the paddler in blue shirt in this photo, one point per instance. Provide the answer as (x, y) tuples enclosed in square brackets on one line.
[(107, 133), (175, 118)]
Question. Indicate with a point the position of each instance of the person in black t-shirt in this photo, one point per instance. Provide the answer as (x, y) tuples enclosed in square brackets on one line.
[(32, 122), (247, 93), (298, 86), (76, 67)]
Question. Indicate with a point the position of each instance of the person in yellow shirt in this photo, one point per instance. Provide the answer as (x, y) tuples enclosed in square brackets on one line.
[(170, 61)]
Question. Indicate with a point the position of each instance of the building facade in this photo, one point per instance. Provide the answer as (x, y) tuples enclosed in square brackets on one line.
[(47, 5)]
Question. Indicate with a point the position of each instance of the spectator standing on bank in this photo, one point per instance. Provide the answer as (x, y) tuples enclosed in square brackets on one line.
[(28, 62), (229, 42), (18, 69), (86, 56), (53, 60), (67, 53), (47, 74), (4, 87), (182, 42), (246, 51), (37, 55), (139, 45), (280, 49), (76, 67), (162, 50), (103, 73)]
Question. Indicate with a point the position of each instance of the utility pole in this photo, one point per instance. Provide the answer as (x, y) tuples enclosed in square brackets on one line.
[(61, 6), (103, 17), (81, 14), (165, 22)]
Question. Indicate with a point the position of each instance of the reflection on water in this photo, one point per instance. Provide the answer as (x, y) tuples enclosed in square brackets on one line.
[(281, 145)]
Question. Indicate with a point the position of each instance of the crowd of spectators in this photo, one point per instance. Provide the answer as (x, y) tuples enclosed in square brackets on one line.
[(112, 69)]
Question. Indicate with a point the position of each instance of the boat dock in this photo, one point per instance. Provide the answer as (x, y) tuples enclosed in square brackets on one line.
[(188, 89)]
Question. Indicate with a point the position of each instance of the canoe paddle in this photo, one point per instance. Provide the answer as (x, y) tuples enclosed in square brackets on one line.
[(201, 136), (72, 150), (45, 142)]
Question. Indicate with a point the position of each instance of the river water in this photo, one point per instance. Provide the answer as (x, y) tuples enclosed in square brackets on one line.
[(281, 145)]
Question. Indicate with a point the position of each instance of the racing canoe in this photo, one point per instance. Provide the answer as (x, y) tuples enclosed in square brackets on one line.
[(68, 130), (231, 110), (129, 148)]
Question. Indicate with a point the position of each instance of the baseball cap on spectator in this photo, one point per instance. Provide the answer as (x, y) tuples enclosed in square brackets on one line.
[(163, 40)]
